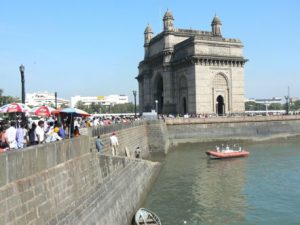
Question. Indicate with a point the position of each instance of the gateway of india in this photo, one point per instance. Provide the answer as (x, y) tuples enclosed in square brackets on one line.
[(191, 71)]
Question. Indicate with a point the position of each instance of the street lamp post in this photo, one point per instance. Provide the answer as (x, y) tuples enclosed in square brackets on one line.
[(55, 96), (287, 98), (156, 107), (134, 95), (22, 70)]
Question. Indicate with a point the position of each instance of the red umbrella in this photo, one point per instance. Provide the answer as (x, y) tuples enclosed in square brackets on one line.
[(42, 110), (14, 108)]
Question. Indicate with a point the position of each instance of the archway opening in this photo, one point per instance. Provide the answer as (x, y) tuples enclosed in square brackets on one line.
[(160, 93), (184, 105), (183, 95), (220, 106)]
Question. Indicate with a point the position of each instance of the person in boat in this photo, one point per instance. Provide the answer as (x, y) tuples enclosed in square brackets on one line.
[(227, 147), (217, 148)]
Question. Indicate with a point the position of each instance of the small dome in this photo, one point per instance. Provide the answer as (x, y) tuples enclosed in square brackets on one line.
[(168, 15), (216, 21), (148, 29)]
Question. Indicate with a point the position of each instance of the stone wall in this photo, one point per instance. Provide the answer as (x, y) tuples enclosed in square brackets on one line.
[(130, 137), (16, 164), (84, 189), (158, 137), (243, 130)]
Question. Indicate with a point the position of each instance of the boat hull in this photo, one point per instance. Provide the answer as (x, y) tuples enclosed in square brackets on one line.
[(146, 217), (223, 155)]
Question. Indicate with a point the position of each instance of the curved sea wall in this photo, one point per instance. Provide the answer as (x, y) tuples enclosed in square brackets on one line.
[(65, 183)]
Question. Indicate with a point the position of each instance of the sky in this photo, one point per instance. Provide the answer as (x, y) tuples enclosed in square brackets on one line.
[(93, 47)]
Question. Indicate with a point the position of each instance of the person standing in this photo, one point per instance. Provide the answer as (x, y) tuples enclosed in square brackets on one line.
[(138, 153), (10, 135), (53, 136), (20, 136), (114, 143), (99, 144), (61, 131), (76, 131), (40, 133), (25, 132), (32, 135)]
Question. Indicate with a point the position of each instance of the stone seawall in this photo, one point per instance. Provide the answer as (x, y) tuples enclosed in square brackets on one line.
[(129, 138), (235, 130), (158, 137), (150, 136), (86, 189), (68, 182)]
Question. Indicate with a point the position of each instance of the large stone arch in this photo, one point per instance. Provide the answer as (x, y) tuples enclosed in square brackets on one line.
[(220, 86), (183, 95), (159, 92)]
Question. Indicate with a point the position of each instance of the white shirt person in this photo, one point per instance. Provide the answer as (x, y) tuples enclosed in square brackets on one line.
[(114, 143)]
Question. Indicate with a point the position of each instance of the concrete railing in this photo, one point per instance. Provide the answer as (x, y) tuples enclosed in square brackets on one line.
[(242, 119)]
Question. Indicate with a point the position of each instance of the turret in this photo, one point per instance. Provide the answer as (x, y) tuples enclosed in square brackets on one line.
[(148, 34), (168, 21), (216, 26)]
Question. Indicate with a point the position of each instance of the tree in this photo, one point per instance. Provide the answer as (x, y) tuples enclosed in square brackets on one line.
[(275, 106), (63, 105), (80, 105), (295, 105), (253, 106), (94, 108), (7, 99), (123, 108)]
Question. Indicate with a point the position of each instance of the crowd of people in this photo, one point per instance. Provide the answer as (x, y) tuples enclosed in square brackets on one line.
[(21, 135), (18, 135)]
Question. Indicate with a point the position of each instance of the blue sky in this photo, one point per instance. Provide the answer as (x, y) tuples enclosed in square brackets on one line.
[(93, 47)]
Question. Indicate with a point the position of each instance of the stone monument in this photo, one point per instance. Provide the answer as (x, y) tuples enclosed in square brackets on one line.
[(191, 71)]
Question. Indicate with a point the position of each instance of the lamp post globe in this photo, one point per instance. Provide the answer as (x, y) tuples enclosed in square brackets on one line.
[(22, 70)]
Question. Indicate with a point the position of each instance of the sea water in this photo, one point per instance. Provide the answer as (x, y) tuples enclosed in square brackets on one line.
[(263, 188)]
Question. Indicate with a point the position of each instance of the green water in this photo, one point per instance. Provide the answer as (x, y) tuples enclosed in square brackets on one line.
[(263, 188)]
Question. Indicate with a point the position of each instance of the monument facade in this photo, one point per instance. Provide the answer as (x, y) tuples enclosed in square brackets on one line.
[(191, 71)]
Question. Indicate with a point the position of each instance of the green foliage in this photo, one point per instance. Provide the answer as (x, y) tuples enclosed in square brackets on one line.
[(6, 99), (275, 106), (62, 106), (97, 108), (253, 106), (295, 105)]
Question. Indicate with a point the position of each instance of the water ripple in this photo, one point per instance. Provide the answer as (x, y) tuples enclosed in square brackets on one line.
[(260, 189)]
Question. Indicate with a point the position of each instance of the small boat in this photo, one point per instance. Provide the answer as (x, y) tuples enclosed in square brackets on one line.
[(227, 152), (146, 217)]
